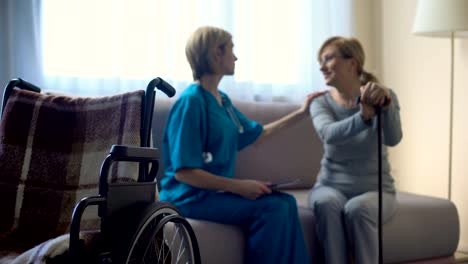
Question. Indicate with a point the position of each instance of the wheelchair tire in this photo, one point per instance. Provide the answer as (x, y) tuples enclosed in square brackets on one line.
[(155, 233)]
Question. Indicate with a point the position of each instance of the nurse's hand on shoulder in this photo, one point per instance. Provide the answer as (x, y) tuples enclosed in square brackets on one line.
[(308, 100), (250, 189)]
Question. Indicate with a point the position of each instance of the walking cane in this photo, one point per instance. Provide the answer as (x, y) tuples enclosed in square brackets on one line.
[(378, 112)]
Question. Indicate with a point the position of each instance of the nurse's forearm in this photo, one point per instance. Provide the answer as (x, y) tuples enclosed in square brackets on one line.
[(251, 189), (205, 180), (282, 123)]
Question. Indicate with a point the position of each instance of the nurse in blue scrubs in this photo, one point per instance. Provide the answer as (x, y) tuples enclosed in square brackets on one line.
[(204, 132)]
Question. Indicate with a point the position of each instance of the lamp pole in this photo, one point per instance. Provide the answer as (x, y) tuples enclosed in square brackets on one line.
[(452, 64)]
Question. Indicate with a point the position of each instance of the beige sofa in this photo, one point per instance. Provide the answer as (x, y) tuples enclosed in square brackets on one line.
[(424, 229)]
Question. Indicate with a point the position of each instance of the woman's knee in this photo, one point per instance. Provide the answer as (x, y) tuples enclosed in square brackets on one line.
[(359, 209), (365, 207), (327, 205), (325, 198)]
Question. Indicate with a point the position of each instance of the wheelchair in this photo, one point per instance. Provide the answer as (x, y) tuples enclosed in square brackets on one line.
[(134, 226)]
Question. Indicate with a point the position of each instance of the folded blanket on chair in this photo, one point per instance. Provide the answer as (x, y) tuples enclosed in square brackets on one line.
[(51, 150), (55, 251), (45, 252)]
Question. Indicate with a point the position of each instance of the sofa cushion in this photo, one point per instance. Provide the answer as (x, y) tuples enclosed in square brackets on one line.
[(423, 227), (406, 235), (296, 152), (227, 242), (219, 242)]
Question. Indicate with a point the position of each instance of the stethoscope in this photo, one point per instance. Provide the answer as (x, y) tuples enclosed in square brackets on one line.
[(207, 155)]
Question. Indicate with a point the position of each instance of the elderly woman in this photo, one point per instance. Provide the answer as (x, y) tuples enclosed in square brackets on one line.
[(344, 198)]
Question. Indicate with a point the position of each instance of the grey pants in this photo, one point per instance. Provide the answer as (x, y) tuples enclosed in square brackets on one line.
[(347, 222)]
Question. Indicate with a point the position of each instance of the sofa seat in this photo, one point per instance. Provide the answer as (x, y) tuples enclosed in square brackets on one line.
[(406, 235), (416, 231), (423, 230)]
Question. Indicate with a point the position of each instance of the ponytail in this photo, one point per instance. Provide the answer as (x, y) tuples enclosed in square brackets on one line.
[(366, 77)]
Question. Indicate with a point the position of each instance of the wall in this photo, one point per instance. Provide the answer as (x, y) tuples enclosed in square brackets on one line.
[(366, 22), (460, 138), (418, 69)]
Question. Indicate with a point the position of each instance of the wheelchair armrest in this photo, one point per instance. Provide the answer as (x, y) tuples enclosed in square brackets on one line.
[(132, 153), (143, 155), (76, 245)]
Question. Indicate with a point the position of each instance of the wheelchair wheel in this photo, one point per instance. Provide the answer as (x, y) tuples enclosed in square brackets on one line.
[(161, 235)]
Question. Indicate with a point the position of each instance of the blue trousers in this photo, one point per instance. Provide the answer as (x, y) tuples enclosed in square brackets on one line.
[(271, 222), (348, 221)]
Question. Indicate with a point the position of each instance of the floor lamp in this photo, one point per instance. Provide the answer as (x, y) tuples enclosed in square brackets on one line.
[(449, 19)]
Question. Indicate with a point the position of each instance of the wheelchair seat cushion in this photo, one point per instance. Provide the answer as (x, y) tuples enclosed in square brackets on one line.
[(51, 150)]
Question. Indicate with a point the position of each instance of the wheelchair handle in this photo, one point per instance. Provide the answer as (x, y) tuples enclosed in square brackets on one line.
[(27, 86), (149, 106), (162, 86), (20, 83)]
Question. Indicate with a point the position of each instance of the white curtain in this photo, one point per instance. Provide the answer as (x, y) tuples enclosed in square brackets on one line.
[(20, 41), (89, 47)]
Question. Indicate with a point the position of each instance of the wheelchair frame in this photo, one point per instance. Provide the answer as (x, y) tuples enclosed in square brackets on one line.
[(115, 198)]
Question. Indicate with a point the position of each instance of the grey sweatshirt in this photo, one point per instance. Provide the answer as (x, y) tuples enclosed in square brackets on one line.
[(349, 163)]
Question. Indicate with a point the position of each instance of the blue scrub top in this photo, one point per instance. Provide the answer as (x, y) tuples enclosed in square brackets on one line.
[(190, 131)]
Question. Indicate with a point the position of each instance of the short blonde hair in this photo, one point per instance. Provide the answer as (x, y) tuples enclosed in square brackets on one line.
[(201, 47), (350, 48)]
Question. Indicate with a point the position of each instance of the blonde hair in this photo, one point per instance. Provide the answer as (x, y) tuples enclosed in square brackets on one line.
[(201, 47), (350, 48)]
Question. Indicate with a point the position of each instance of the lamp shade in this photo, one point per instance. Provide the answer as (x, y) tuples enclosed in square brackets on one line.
[(441, 18)]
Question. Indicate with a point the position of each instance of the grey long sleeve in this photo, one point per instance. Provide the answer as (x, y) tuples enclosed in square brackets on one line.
[(349, 162), (325, 115), (391, 123)]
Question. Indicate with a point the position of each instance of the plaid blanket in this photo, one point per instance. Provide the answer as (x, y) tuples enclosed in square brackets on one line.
[(51, 150)]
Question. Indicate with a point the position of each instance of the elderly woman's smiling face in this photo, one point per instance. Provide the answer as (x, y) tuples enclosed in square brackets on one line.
[(334, 67)]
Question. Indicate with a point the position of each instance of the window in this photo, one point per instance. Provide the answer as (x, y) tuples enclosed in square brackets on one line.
[(141, 39)]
